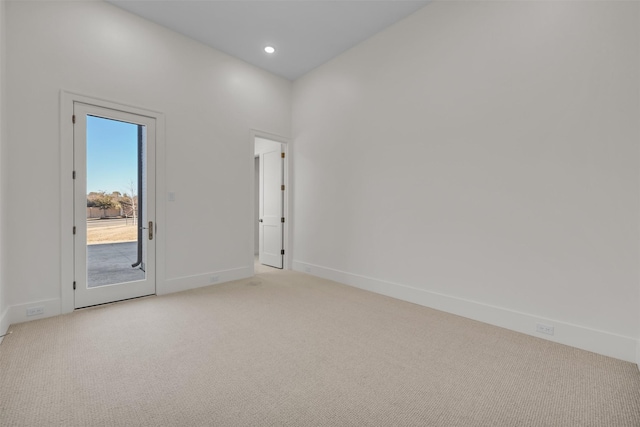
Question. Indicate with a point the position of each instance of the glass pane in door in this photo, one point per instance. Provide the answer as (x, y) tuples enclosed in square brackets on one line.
[(114, 201)]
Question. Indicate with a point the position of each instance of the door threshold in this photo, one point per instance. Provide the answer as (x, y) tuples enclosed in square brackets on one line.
[(115, 302)]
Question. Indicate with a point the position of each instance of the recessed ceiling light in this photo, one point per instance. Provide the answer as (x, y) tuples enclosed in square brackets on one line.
[(269, 49)]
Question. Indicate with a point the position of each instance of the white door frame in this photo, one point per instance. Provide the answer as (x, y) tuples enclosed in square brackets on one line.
[(67, 100), (286, 262)]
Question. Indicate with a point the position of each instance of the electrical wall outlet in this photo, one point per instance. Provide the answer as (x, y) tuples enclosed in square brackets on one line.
[(307, 269), (214, 279), (34, 311), (544, 329)]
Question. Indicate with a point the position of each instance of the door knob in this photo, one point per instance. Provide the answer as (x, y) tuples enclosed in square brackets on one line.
[(260, 220)]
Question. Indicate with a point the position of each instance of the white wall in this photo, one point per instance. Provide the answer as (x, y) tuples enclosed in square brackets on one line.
[(4, 318), (210, 102), (482, 158)]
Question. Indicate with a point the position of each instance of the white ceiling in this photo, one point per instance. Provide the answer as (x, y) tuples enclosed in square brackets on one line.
[(305, 33)]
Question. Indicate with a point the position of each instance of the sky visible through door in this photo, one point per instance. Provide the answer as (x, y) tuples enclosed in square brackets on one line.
[(112, 155)]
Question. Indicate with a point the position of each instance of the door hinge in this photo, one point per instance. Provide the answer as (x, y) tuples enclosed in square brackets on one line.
[(282, 187), (282, 252), (73, 175), (74, 285), (74, 229), (282, 155), (73, 119), (282, 219)]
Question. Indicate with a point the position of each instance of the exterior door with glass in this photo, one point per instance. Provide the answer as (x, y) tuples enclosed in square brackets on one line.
[(114, 205)]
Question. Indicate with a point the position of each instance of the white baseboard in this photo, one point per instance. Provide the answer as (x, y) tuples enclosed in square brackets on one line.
[(4, 323), (200, 280), (601, 342), (638, 354), (18, 313)]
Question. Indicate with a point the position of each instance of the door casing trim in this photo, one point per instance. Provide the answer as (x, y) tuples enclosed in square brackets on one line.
[(67, 100)]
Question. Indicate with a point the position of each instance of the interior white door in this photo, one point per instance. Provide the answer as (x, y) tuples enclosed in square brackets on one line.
[(119, 261), (271, 207)]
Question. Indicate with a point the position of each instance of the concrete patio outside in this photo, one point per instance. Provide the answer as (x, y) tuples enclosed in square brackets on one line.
[(110, 263)]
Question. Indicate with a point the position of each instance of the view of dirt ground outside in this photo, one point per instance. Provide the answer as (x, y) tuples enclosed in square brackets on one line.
[(105, 231)]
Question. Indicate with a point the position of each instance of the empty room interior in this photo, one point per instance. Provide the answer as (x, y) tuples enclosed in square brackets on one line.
[(339, 213)]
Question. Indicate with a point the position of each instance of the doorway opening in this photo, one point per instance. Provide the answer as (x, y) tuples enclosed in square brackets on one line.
[(269, 214)]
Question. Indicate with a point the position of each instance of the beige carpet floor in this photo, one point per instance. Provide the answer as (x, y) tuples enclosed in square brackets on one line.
[(287, 349)]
